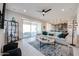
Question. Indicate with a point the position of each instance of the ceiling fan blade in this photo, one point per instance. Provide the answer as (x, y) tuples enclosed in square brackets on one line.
[(39, 11), (47, 10)]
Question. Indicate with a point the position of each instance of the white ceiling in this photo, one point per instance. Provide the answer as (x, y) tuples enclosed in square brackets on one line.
[(55, 15)]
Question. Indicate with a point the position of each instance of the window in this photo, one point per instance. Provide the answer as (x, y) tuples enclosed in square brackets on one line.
[(30, 29)]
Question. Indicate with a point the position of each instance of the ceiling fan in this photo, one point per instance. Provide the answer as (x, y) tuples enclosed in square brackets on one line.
[(44, 11)]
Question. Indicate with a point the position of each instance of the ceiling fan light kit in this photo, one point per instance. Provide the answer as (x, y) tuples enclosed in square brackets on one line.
[(45, 11)]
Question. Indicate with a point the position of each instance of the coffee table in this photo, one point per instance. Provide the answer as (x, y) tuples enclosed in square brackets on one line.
[(46, 40)]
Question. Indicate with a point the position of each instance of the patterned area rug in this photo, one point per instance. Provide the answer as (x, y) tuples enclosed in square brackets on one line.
[(51, 50)]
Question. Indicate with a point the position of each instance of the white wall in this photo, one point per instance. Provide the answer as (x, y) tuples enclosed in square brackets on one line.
[(1, 38), (1, 6), (78, 26), (78, 21), (1, 33)]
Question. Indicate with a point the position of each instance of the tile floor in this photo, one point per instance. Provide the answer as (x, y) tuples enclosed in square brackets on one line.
[(28, 50)]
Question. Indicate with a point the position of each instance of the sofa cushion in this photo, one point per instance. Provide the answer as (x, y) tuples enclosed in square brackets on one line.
[(14, 52), (62, 35), (10, 46)]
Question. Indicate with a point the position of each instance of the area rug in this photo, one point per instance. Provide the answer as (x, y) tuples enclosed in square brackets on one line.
[(51, 50)]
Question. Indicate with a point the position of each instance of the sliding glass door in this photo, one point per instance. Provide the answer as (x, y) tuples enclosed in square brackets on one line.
[(26, 30), (33, 30), (29, 30)]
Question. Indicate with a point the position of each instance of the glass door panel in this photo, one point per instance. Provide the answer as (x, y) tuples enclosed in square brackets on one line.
[(30, 30), (26, 31), (33, 30)]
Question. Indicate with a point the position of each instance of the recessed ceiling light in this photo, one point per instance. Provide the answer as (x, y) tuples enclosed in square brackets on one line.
[(24, 10), (62, 9)]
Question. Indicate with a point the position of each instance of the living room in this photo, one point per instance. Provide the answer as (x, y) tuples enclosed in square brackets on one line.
[(47, 29)]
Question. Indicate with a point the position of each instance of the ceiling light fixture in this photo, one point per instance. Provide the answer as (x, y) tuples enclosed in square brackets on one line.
[(62, 9), (43, 13), (24, 10)]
